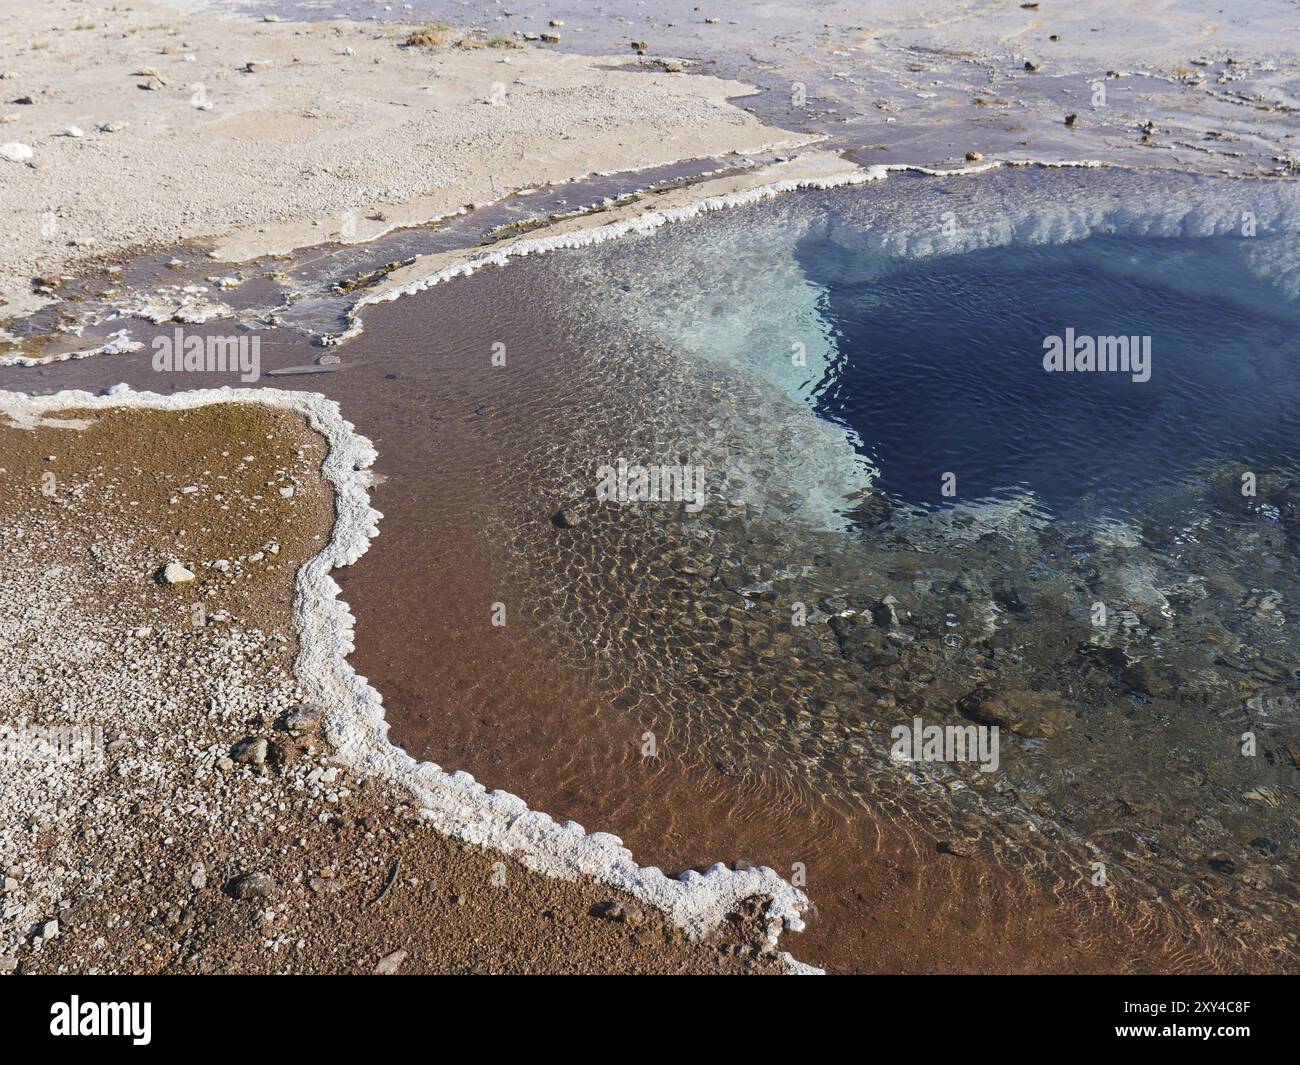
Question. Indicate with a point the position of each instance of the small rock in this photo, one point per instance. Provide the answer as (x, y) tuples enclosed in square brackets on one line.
[(550, 38), (175, 573), (973, 157), (49, 930), (76, 132), (629, 914), (251, 751), (1264, 845), (1264, 794), (390, 963), (303, 717), (252, 886), (1071, 121), (15, 152), (1033, 67), (199, 878)]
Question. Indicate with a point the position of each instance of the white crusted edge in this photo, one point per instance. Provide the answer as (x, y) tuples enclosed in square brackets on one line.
[(455, 803), (117, 343), (853, 174)]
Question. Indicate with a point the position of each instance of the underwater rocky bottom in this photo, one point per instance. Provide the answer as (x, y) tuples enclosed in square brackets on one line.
[(1113, 584)]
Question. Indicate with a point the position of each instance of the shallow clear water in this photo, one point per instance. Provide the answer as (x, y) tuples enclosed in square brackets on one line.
[(917, 312)]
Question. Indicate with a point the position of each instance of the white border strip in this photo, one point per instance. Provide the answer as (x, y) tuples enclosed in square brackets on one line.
[(651, 220)]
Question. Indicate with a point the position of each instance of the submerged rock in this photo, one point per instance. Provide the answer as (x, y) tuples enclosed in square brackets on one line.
[(1039, 715), (862, 640), (572, 515), (872, 511)]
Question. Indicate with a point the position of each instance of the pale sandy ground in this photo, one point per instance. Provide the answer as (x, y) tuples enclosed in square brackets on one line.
[(342, 134), (339, 133)]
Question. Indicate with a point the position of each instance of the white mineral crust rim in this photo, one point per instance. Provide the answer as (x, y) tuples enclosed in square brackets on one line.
[(455, 803)]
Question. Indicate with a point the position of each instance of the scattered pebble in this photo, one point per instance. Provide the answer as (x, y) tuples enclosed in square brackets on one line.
[(252, 886), (390, 963), (251, 751), (175, 573)]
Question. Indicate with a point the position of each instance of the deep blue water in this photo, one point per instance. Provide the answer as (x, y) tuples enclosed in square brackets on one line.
[(940, 368)]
